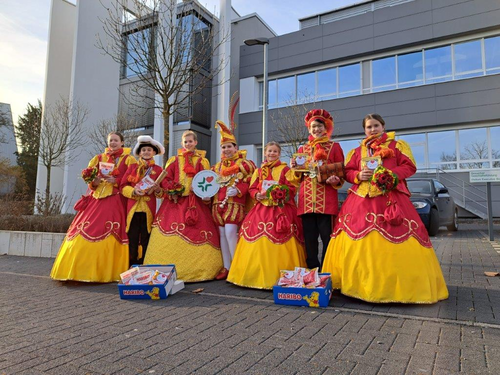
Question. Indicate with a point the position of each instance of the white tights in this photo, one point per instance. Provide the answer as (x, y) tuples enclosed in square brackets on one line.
[(228, 240)]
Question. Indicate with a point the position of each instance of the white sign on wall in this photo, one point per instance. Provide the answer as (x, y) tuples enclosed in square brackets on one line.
[(485, 176)]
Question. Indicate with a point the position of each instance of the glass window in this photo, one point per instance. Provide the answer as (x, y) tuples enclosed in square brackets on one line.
[(468, 62), (438, 64), (442, 149), (495, 145), (349, 145), (138, 45), (417, 145), (306, 87), (350, 80), (286, 91), (473, 146), (492, 54), (410, 69), (272, 94), (384, 74), (327, 84)]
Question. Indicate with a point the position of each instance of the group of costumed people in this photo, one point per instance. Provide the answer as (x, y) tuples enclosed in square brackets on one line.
[(376, 248)]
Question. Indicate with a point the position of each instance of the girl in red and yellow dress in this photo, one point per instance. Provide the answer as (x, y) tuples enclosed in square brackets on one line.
[(228, 205), (96, 245), (184, 233), (270, 236), (141, 202), (380, 250), (318, 201)]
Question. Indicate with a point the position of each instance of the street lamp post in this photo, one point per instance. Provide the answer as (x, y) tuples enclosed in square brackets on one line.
[(263, 42)]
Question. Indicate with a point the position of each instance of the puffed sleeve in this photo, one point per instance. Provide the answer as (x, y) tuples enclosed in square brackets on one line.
[(405, 162), (352, 166), (125, 186), (254, 184)]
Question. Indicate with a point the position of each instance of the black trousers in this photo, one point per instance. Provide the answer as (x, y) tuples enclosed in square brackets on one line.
[(316, 225), (138, 234)]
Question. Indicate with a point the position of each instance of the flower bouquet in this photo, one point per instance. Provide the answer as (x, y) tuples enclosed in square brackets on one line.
[(89, 174), (174, 190), (278, 195), (384, 179)]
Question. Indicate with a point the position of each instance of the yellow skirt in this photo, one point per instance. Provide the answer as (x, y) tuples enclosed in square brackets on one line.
[(376, 270), (258, 264), (192, 262), (98, 262)]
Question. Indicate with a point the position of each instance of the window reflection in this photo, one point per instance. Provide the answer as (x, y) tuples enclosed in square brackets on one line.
[(410, 69), (473, 145), (495, 145), (468, 59), (286, 91), (327, 84), (442, 149), (306, 87), (492, 54), (272, 94), (137, 54), (349, 145), (438, 64), (384, 74), (349, 80)]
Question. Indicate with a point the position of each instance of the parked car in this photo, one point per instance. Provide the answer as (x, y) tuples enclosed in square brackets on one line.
[(434, 204)]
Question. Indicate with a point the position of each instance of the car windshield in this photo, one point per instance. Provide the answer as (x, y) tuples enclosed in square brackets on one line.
[(419, 186)]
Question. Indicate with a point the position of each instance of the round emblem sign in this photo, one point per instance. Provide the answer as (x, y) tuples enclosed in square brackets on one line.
[(205, 184)]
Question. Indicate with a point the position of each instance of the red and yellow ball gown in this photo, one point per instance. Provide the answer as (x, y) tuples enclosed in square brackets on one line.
[(270, 236), (368, 257), (193, 247), (95, 248)]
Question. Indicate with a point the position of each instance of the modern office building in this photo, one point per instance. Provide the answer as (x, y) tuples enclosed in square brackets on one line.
[(7, 142), (431, 68), (79, 71)]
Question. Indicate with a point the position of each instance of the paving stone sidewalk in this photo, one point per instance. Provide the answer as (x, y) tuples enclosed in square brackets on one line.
[(49, 327)]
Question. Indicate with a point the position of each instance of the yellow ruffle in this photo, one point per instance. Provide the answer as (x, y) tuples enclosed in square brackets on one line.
[(81, 260), (258, 264), (376, 270), (192, 262)]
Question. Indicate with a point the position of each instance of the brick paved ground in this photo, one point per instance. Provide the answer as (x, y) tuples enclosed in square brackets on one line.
[(49, 327)]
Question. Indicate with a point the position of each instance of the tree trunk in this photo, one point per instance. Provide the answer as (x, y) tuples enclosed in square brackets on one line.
[(47, 192)]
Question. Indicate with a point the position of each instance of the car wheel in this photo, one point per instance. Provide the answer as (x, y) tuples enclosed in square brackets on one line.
[(454, 226), (433, 222)]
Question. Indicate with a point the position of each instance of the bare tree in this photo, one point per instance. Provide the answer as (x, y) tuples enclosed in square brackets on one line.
[(168, 47), (99, 134), (62, 130), (289, 121)]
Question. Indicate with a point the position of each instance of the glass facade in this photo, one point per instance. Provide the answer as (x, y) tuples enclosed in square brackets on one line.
[(136, 55), (455, 61)]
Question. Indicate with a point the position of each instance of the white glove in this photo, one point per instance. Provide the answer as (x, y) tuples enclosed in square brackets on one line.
[(231, 192)]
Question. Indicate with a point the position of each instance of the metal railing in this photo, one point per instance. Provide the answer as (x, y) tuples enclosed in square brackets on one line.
[(466, 195)]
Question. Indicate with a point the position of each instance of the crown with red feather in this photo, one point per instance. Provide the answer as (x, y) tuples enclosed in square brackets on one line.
[(227, 134)]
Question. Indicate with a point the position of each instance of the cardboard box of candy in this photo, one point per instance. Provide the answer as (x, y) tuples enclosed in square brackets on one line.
[(147, 282), (302, 287)]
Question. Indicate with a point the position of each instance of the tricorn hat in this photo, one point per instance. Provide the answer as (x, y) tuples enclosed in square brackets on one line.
[(146, 140)]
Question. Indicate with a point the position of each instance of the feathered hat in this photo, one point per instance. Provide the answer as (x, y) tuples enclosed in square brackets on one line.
[(320, 114), (227, 134), (146, 140)]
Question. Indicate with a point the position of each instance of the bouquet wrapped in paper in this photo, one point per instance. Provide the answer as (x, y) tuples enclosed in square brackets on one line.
[(89, 174)]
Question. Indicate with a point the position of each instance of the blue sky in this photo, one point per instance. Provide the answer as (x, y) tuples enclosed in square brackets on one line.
[(24, 28)]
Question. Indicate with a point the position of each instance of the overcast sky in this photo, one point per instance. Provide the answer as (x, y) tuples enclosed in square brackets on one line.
[(24, 28)]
